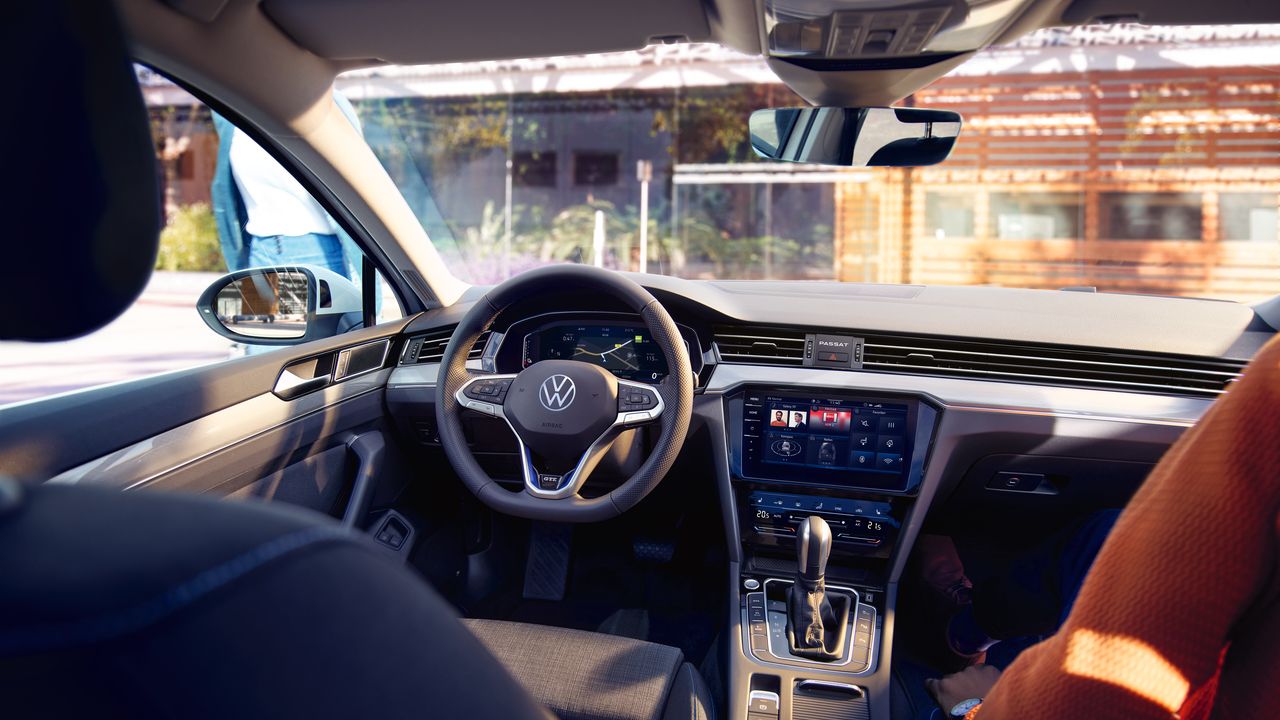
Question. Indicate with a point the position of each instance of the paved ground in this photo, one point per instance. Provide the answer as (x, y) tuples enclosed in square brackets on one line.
[(161, 332)]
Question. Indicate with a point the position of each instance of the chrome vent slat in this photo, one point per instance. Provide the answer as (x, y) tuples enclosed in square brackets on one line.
[(869, 347), (749, 358), (929, 369), (1156, 375), (995, 360)]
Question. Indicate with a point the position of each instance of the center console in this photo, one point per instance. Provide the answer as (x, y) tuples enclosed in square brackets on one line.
[(850, 464)]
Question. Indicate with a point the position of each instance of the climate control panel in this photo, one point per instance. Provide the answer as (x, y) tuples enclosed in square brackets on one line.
[(865, 527)]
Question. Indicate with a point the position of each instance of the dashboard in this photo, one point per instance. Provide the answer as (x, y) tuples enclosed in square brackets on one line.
[(853, 403)]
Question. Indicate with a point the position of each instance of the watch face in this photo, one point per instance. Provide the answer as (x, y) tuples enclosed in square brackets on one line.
[(963, 707)]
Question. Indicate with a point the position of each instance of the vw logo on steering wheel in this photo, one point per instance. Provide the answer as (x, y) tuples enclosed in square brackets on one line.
[(557, 392)]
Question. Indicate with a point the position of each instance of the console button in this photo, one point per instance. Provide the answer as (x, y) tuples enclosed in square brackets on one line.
[(1015, 481), (775, 530), (764, 702), (863, 441), (889, 444), (891, 425), (864, 459), (888, 461), (860, 655)]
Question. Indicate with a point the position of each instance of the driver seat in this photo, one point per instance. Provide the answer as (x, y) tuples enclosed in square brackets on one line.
[(156, 605), (148, 605)]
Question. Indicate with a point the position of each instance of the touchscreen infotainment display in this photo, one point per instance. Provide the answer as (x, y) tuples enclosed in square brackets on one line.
[(830, 440)]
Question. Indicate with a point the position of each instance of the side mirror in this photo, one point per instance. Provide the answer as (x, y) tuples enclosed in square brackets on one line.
[(281, 305), (855, 137)]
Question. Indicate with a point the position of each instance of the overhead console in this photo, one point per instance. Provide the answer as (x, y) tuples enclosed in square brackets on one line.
[(883, 28)]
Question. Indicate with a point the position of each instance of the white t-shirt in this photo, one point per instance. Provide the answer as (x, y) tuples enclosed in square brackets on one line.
[(275, 202)]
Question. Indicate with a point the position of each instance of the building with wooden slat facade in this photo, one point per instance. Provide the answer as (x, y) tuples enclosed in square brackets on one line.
[(1122, 158)]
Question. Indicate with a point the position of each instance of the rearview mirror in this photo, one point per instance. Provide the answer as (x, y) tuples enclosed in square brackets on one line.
[(855, 137), (281, 305)]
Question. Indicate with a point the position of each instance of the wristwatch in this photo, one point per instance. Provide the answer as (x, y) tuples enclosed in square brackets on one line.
[(963, 707)]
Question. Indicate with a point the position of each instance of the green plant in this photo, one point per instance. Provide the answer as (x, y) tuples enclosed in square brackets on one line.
[(189, 241)]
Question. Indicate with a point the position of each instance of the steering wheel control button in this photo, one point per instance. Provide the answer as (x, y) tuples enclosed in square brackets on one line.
[(482, 407), (631, 399), (550, 482), (488, 390)]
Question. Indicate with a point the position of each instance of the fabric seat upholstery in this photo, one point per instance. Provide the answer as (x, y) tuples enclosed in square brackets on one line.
[(581, 675), (154, 605), (150, 605)]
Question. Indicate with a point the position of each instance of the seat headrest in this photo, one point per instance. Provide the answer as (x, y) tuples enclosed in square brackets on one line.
[(81, 195)]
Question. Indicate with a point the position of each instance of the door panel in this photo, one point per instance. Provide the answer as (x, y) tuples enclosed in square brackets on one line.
[(218, 429)]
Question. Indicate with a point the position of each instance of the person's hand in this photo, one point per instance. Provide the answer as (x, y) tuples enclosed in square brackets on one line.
[(975, 681)]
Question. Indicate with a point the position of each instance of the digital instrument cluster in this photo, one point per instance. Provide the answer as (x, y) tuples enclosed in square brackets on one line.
[(627, 351)]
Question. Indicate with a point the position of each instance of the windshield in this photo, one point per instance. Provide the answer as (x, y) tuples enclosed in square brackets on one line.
[(1125, 158)]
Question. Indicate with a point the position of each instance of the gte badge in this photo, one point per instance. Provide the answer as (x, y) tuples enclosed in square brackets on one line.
[(557, 392), (834, 351)]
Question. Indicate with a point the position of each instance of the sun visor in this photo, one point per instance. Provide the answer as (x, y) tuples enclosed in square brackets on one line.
[(81, 192)]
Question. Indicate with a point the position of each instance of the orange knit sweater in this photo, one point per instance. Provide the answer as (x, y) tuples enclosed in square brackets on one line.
[(1179, 615)]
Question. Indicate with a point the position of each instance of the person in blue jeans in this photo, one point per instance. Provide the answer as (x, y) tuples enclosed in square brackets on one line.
[(265, 217), (1012, 611)]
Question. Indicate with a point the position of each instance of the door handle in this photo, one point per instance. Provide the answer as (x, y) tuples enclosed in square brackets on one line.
[(369, 449)]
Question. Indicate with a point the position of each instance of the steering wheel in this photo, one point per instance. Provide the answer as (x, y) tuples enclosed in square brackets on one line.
[(565, 414)]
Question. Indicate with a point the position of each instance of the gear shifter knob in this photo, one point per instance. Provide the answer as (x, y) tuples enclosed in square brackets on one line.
[(813, 544)]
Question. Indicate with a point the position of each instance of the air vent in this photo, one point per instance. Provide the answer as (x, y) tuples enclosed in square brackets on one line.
[(429, 348), (760, 347), (1012, 362)]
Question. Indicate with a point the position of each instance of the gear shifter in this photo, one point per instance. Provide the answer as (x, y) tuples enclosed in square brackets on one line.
[(816, 620)]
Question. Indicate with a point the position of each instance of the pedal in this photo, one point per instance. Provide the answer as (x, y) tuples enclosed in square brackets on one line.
[(653, 551), (546, 570)]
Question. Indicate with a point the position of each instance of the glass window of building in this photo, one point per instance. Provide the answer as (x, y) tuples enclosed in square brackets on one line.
[(1150, 216), (1039, 216), (1248, 216), (948, 214)]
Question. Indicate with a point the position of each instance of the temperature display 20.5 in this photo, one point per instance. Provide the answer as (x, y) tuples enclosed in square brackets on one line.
[(627, 351)]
